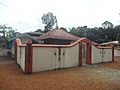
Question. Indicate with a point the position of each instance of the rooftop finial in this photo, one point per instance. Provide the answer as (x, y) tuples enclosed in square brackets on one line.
[(56, 25)]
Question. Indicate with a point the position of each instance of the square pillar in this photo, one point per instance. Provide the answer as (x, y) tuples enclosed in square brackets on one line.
[(28, 57)]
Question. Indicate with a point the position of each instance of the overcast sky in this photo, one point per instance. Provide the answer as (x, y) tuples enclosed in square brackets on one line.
[(25, 15)]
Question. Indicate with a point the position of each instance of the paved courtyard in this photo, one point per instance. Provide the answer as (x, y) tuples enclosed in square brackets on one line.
[(104, 76)]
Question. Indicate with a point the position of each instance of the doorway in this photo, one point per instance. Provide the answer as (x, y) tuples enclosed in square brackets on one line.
[(84, 53)]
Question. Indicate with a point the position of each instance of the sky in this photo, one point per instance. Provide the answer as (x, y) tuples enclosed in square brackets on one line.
[(25, 15)]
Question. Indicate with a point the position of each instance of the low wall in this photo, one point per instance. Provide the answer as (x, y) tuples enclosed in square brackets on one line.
[(117, 52), (41, 57), (21, 57), (70, 56), (96, 55), (49, 58), (44, 59), (107, 55), (101, 54)]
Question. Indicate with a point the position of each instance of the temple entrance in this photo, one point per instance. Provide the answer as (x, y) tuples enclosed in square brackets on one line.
[(85, 53)]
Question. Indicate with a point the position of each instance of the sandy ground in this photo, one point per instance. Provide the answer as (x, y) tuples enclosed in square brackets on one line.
[(104, 76), (6, 60)]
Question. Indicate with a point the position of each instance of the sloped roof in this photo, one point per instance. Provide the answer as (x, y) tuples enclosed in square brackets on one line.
[(9, 43), (22, 36), (34, 33), (112, 42), (58, 33)]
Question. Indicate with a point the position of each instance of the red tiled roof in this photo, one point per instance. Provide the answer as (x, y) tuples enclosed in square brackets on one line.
[(58, 34)]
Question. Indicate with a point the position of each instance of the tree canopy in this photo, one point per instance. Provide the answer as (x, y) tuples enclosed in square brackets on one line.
[(107, 24), (6, 33), (49, 20), (107, 32)]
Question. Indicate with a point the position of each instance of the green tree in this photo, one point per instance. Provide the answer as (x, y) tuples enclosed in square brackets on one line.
[(49, 20), (102, 34), (79, 31), (11, 33), (93, 35), (3, 29), (83, 31), (39, 30), (107, 24), (109, 31), (7, 33), (74, 31)]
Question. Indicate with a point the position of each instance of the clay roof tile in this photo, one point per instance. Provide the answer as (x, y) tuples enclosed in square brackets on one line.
[(58, 34)]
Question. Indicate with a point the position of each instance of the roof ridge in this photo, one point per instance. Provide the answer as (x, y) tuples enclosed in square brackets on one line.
[(58, 33), (51, 31), (68, 33)]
